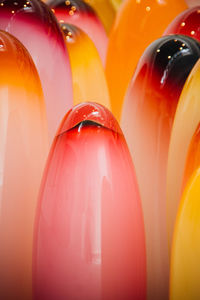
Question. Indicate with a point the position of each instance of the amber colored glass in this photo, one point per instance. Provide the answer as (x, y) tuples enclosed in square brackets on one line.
[(23, 149), (81, 14), (147, 119), (186, 120), (137, 24), (188, 23), (89, 235), (34, 24), (88, 75)]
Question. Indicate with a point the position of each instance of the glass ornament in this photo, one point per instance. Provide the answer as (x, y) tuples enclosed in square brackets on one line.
[(81, 14), (89, 234), (147, 119), (23, 149), (33, 23), (88, 75), (137, 24)]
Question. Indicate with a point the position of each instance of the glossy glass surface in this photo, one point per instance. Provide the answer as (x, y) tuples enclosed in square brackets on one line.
[(23, 149), (81, 14), (147, 119), (35, 26), (88, 75), (188, 23), (89, 238), (185, 123), (137, 24), (105, 10), (185, 272)]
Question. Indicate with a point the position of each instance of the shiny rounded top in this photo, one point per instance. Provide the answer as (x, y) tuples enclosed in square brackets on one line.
[(72, 7), (188, 23), (89, 112)]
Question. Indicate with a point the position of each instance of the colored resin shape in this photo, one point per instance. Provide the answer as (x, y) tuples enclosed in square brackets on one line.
[(185, 272), (81, 14), (147, 118), (35, 26), (89, 237), (186, 120), (23, 147), (130, 36), (188, 23), (87, 70)]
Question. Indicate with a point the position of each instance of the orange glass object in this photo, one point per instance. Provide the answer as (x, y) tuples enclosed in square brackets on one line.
[(188, 23), (137, 24), (81, 14), (147, 119), (87, 70), (186, 120), (89, 238), (105, 10), (34, 24), (23, 148)]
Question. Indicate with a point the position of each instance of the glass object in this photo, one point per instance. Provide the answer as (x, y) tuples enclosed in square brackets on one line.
[(185, 272), (81, 14), (186, 120), (147, 119), (137, 24), (89, 237), (88, 75), (35, 26), (188, 23), (23, 149)]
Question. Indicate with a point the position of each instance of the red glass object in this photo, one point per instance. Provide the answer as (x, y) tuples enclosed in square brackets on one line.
[(81, 14), (147, 118), (23, 149), (89, 237), (188, 23), (33, 23)]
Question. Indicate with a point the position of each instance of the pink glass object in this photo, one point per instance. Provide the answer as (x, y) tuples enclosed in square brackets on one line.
[(35, 26), (89, 237), (23, 149), (81, 14), (187, 23), (147, 118)]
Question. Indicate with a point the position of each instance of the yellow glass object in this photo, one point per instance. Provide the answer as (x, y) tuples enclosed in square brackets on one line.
[(185, 271), (89, 82), (186, 120), (137, 24), (105, 11)]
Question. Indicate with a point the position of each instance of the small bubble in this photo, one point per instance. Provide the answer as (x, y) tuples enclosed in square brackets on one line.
[(183, 45), (73, 8), (158, 50), (181, 48), (138, 1), (175, 41), (24, 5), (61, 21), (169, 57), (148, 8), (67, 2), (182, 24), (71, 12), (2, 4), (192, 32), (15, 3), (12, 11), (53, 10)]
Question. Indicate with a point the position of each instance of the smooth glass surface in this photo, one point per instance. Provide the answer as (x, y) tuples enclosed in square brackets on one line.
[(33, 23), (185, 123), (147, 119), (89, 235), (88, 75), (81, 14), (137, 24), (23, 149), (185, 273), (188, 23)]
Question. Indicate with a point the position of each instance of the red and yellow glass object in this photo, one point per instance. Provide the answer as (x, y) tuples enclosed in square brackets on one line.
[(193, 157), (188, 23), (89, 238), (137, 24), (185, 123), (105, 10), (88, 75), (23, 149), (185, 271), (147, 118), (33, 23), (81, 14)]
